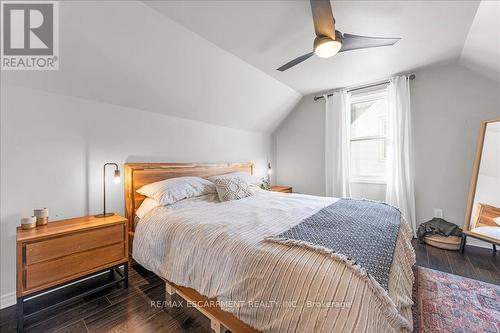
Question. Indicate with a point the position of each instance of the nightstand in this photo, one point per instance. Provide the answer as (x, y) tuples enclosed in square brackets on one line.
[(65, 251), (282, 189)]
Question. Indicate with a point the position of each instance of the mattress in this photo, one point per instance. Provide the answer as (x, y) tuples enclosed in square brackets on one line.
[(219, 249)]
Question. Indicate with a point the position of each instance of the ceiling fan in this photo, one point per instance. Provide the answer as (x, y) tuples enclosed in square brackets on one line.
[(329, 41)]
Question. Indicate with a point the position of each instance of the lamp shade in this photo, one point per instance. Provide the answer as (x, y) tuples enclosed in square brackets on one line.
[(117, 177)]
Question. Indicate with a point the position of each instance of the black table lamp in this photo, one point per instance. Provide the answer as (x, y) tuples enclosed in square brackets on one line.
[(117, 181)]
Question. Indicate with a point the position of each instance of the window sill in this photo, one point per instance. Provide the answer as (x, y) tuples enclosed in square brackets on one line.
[(368, 181)]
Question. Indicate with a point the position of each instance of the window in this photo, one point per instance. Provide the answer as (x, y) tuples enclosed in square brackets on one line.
[(368, 137)]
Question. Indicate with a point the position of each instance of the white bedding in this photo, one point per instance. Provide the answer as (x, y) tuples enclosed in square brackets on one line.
[(218, 248)]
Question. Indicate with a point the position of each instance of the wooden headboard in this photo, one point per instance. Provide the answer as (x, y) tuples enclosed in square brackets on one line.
[(140, 174)]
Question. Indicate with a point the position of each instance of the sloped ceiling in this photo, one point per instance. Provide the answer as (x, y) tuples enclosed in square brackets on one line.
[(126, 53), (215, 61), (268, 34), (481, 51)]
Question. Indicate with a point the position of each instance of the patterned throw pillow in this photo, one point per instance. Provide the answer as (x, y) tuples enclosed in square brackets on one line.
[(232, 188), (247, 177)]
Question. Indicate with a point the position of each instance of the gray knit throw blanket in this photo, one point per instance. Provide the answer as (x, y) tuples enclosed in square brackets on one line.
[(363, 231)]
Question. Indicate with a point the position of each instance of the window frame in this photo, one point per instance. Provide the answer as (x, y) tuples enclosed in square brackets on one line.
[(361, 97)]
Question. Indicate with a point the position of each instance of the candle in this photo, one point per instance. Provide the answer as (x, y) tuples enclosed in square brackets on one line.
[(28, 222), (42, 216)]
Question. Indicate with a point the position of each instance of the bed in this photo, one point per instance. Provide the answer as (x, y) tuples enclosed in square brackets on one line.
[(214, 251)]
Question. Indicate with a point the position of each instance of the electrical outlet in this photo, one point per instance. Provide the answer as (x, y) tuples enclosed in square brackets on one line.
[(438, 212)]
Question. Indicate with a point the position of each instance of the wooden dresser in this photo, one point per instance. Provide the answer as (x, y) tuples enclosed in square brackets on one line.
[(283, 189), (67, 250)]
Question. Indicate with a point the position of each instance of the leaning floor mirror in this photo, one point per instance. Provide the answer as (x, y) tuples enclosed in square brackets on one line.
[(482, 218)]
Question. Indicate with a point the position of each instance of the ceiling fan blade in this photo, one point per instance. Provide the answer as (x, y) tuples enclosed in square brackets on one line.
[(295, 62), (354, 42), (324, 23)]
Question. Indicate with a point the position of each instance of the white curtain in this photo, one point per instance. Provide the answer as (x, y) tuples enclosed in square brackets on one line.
[(337, 157), (400, 186)]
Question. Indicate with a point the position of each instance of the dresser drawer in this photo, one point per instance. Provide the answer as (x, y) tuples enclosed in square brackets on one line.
[(66, 245), (72, 265)]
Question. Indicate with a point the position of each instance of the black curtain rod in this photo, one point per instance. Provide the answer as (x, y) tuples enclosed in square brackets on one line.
[(411, 77)]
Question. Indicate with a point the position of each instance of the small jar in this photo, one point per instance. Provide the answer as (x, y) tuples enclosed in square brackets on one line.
[(42, 216), (28, 222)]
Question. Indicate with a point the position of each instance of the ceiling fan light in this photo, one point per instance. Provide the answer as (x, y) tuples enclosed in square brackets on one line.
[(327, 48)]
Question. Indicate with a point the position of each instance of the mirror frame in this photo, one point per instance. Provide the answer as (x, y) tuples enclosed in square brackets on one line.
[(473, 181)]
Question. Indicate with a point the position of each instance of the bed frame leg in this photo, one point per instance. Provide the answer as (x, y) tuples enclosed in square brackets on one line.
[(169, 289), (169, 293), (216, 326)]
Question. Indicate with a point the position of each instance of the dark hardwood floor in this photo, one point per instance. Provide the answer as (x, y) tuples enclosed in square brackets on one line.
[(475, 263), (112, 310), (130, 310)]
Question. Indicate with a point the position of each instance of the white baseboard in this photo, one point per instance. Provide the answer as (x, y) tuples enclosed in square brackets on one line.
[(7, 300)]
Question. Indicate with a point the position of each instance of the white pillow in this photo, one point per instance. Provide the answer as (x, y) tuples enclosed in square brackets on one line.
[(146, 206), (232, 188), (250, 179), (169, 191)]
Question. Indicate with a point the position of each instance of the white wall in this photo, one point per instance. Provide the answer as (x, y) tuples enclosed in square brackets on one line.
[(53, 148), (448, 103), (299, 146)]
